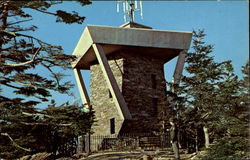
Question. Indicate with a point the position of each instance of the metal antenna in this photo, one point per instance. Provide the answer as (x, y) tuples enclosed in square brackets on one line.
[(129, 8)]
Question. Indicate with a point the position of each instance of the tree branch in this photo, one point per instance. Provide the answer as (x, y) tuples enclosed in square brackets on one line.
[(9, 85), (18, 34), (17, 29), (36, 114), (45, 115), (18, 82), (55, 76), (8, 32), (46, 124), (26, 84), (24, 63), (20, 21), (46, 12), (14, 143)]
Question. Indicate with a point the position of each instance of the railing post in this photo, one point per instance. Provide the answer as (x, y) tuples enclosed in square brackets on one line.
[(87, 143), (79, 144)]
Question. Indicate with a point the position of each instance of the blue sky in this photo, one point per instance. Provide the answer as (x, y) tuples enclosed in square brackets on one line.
[(226, 24)]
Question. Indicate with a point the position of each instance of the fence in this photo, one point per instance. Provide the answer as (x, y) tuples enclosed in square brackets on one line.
[(123, 142)]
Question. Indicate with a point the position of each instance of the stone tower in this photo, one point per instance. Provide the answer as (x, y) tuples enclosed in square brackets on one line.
[(127, 76)]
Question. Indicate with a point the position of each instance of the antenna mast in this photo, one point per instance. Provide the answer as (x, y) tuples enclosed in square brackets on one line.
[(129, 8)]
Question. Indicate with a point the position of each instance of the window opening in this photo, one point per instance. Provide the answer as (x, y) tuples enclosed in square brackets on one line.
[(112, 126), (110, 95), (153, 80), (154, 105)]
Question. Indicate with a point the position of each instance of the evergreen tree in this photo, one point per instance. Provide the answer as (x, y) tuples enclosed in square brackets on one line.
[(22, 56), (199, 85), (217, 102), (232, 137), (203, 86), (244, 93), (211, 104), (22, 53)]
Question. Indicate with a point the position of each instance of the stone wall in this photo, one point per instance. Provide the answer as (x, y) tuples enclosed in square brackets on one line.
[(143, 89), (141, 80), (102, 101)]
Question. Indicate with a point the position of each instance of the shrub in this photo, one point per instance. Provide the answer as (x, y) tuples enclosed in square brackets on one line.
[(228, 148)]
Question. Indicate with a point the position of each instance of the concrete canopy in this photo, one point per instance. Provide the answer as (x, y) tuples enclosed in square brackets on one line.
[(163, 44)]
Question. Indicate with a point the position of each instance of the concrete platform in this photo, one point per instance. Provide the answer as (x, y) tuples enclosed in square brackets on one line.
[(160, 43)]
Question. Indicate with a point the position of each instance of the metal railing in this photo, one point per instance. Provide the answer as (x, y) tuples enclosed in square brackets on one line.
[(124, 142)]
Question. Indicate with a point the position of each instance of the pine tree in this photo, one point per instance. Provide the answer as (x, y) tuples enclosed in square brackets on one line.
[(232, 131), (244, 93), (201, 85), (21, 54), (217, 102)]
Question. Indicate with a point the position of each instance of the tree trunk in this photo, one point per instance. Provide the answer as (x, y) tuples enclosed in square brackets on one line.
[(179, 138), (207, 143), (3, 19), (196, 140)]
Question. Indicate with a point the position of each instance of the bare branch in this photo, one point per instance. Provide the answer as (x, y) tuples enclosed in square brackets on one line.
[(45, 115), (24, 63), (36, 114), (8, 32), (11, 86), (21, 83), (18, 82), (46, 124), (17, 29), (56, 2), (44, 11), (23, 35), (26, 84), (14, 143), (20, 21), (41, 43), (55, 76)]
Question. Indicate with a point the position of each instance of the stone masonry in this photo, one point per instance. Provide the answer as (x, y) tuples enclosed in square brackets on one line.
[(141, 80), (101, 99)]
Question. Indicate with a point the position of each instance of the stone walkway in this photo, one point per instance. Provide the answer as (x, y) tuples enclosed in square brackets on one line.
[(146, 155), (132, 155)]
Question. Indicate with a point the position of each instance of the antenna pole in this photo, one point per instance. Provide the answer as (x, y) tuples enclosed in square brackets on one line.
[(129, 8), (131, 11)]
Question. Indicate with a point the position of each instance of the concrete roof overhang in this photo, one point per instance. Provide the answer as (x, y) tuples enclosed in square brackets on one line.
[(158, 43)]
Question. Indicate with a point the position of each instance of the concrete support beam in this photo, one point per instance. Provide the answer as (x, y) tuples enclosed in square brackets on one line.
[(81, 87), (111, 82), (179, 67)]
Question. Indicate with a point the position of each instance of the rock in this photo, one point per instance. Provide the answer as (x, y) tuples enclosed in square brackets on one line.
[(25, 157), (38, 156), (41, 156), (64, 158), (80, 155), (199, 155), (146, 157)]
